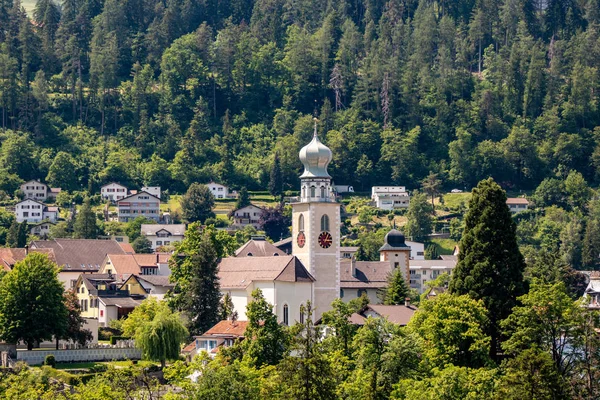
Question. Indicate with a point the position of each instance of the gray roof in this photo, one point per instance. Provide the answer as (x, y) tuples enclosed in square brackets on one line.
[(432, 264), (121, 302), (79, 254), (258, 248), (173, 229), (369, 274), (156, 280)]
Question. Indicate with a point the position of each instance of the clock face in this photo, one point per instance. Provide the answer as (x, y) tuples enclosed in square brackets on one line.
[(325, 240), (301, 239)]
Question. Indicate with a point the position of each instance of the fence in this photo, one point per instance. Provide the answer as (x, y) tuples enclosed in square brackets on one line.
[(34, 357)]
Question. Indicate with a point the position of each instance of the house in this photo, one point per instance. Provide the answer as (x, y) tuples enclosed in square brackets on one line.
[(422, 271), (223, 334), (249, 215), (517, 204), (33, 211), (258, 246), (124, 265), (78, 256), (399, 314), (390, 197), (284, 245), (218, 191), (163, 235), (141, 204), (348, 251), (153, 190), (154, 285), (362, 277), (36, 190), (113, 192), (42, 229), (10, 256), (284, 281), (592, 291)]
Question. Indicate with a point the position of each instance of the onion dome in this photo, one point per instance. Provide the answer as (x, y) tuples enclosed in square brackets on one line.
[(394, 240), (316, 157)]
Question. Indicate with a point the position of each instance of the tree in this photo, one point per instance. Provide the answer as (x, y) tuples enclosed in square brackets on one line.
[(418, 218), (275, 222), (63, 172), (453, 328), (490, 266), (243, 199), (85, 226), (431, 185), (197, 203), (396, 290), (266, 341), (75, 322), (32, 307), (343, 331), (276, 179), (133, 229), (17, 235), (160, 339), (142, 245), (577, 189), (196, 293)]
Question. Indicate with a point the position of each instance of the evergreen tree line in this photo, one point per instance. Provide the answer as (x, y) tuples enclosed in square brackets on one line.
[(170, 93)]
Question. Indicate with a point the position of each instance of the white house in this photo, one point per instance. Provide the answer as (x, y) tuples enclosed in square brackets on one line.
[(417, 250), (218, 190), (249, 215), (36, 190), (224, 334), (113, 192), (41, 229), (390, 197), (141, 204), (153, 190), (163, 235), (517, 204), (34, 212), (422, 271)]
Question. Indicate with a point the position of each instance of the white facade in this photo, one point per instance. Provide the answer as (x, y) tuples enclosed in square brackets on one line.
[(153, 190), (163, 235), (422, 271), (37, 190), (517, 204), (417, 250), (249, 215), (390, 197), (139, 205), (218, 190), (113, 192), (34, 212), (41, 230)]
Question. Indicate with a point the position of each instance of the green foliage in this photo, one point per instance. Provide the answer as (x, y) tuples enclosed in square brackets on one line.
[(243, 199), (197, 203), (50, 360), (419, 221), (85, 226), (142, 245), (114, 339), (396, 290), (160, 339), (133, 229), (32, 307)]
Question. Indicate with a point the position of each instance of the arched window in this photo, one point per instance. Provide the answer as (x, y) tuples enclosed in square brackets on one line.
[(324, 223), (249, 255), (312, 191), (303, 191), (301, 222), (286, 315), (341, 293), (301, 313), (322, 191)]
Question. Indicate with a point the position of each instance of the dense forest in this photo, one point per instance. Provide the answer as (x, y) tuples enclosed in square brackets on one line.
[(177, 91)]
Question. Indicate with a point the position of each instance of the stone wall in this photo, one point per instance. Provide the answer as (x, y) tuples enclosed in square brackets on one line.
[(35, 357)]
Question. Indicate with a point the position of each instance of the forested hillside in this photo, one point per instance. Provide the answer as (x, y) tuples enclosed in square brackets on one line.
[(176, 91)]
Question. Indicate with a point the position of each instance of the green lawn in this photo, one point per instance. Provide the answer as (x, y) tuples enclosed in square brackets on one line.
[(444, 246), (87, 365), (453, 200), (29, 6)]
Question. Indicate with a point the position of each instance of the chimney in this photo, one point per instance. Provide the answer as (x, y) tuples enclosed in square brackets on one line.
[(407, 301), (353, 266), (26, 250)]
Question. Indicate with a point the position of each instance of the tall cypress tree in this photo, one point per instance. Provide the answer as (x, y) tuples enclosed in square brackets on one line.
[(85, 223), (490, 266), (276, 180), (396, 291)]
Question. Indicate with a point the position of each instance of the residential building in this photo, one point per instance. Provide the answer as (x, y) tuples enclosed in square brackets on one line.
[(258, 246), (390, 197), (113, 192), (348, 251), (141, 204), (154, 285), (517, 204), (36, 190), (33, 211), (42, 229), (284, 245), (284, 282), (422, 271), (249, 215), (592, 291), (78, 256), (163, 235), (223, 334), (398, 314), (10, 256), (124, 265), (218, 191), (153, 190)]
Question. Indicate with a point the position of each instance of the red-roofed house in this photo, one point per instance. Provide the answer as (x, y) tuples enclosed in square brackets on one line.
[(223, 334), (517, 204)]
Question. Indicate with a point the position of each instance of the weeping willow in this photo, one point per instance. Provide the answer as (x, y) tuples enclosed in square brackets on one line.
[(161, 338)]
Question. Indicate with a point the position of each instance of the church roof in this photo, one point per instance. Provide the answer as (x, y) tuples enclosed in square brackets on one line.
[(394, 240), (239, 272), (369, 274), (315, 157), (258, 248)]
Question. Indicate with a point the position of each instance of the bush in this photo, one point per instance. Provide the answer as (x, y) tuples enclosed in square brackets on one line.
[(50, 360), (106, 333), (99, 368), (114, 338)]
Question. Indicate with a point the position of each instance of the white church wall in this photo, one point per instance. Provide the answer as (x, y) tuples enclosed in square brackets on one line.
[(352, 293), (294, 294), (239, 298)]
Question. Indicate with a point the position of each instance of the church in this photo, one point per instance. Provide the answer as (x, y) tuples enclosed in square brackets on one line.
[(314, 271)]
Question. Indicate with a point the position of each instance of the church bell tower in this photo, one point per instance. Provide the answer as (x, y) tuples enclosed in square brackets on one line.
[(316, 224)]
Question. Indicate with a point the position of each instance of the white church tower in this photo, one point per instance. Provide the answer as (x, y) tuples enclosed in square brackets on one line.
[(316, 224)]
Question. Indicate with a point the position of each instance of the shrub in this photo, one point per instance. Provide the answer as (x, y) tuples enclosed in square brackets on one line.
[(114, 338), (50, 360), (106, 333)]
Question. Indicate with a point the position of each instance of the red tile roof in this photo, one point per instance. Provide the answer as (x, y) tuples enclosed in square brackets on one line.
[(10, 256), (228, 328), (516, 200)]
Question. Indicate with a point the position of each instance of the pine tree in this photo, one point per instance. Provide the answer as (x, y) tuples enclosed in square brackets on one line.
[(243, 199), (276, 180), (12, 237), (490, 266), (85, 223), (396, 290)]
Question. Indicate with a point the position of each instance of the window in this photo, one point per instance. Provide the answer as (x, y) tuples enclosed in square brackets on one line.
[(312, 191), (396, 264), (322, 191), (102, 313), (361, 292), (303, 191), (286, 316), (301, 222), (325, 223), (341, 293), (301, 313)]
